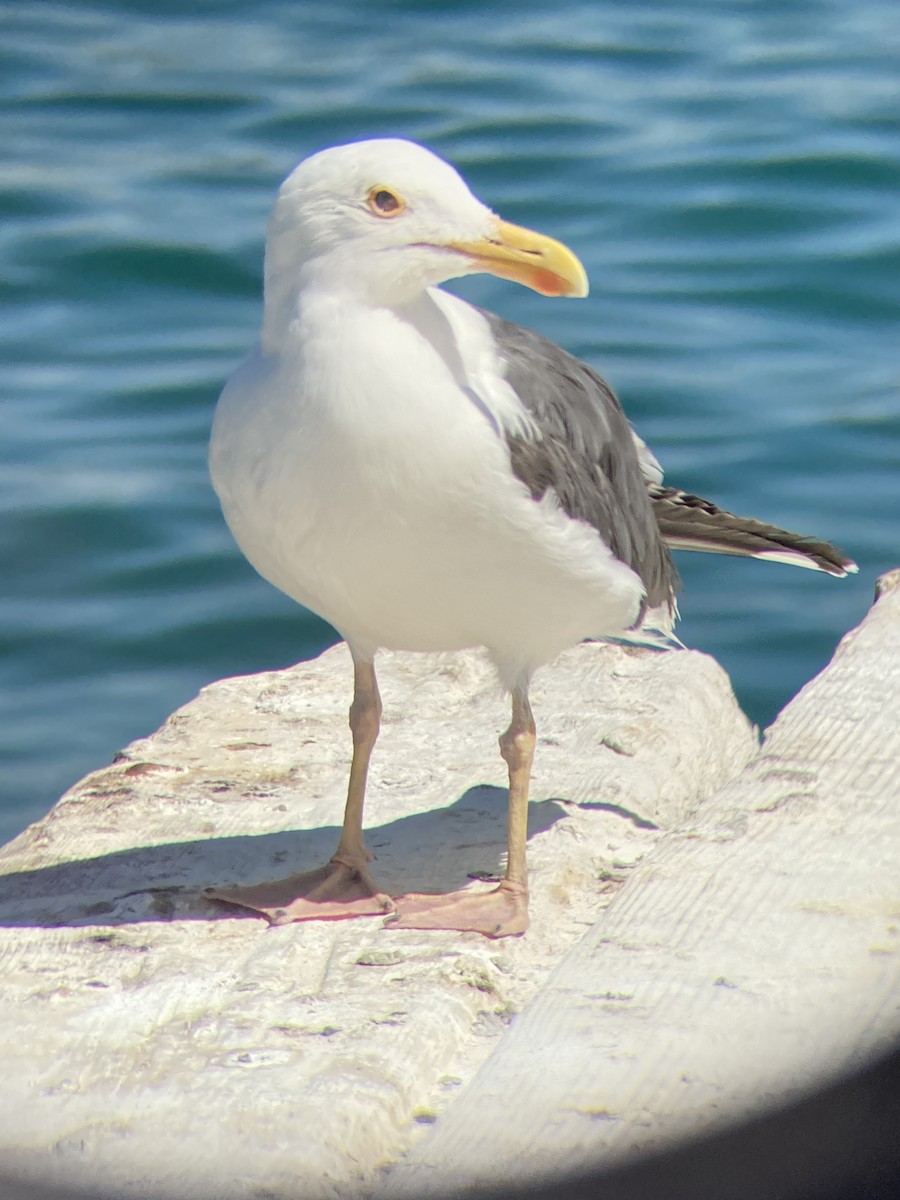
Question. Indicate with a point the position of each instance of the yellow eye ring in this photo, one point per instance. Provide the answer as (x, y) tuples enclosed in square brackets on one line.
[(385, 203)]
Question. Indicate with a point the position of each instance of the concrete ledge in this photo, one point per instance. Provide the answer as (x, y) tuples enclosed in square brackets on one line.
[(159, 1044), (749, 956)]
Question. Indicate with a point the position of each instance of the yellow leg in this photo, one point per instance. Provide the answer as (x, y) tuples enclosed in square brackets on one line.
[(365, 722), (517, 748), (344, 886), (503, 911)]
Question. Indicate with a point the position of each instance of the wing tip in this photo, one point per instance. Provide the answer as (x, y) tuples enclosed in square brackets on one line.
[(839, 567)]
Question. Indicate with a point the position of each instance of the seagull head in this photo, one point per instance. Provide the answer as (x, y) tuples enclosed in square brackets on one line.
[(379, 221)]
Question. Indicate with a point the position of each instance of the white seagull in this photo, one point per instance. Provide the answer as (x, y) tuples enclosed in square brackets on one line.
[(427, 476)]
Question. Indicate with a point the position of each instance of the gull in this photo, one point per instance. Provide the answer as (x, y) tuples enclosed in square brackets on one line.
[(427, 476)]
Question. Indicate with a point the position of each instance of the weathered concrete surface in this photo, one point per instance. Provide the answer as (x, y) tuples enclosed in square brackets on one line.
[(749, 954), (162, 1044)]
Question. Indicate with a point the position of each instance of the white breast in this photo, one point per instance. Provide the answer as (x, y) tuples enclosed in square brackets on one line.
[(363, 471)]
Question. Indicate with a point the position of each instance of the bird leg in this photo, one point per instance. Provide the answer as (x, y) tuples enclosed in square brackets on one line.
[(503, 911), (343, 887)]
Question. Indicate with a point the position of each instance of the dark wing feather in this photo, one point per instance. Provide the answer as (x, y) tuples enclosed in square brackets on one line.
[(586, 452), (689, 523)]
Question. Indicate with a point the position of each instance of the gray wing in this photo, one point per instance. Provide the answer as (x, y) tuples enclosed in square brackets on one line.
[(586, 453), (691, 523)]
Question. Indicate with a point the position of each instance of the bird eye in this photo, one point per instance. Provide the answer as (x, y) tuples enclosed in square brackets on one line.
[(385, 203)]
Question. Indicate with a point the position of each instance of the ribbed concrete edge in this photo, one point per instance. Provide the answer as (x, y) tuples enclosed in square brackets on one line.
[(747, 958)]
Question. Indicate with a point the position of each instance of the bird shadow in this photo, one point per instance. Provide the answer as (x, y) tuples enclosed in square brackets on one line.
[(438, 850), (617, 810)]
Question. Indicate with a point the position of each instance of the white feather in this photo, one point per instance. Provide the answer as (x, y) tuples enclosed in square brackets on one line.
[(358, 452)]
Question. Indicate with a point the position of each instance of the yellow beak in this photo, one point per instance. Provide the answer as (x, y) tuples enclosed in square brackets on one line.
[(539, 262)]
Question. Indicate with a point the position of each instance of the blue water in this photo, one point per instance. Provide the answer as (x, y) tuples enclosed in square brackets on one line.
[(728, 171)]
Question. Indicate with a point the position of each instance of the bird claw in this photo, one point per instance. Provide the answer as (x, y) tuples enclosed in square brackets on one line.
[(335, 892), (502, 912)]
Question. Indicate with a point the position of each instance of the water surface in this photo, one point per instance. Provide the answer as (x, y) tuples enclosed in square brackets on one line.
[(728, 172)]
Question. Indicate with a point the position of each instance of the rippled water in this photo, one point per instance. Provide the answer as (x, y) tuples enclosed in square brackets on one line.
[(727, 171)]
